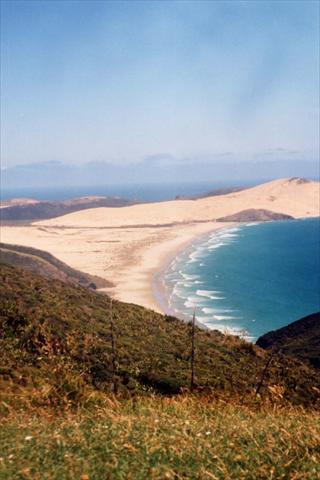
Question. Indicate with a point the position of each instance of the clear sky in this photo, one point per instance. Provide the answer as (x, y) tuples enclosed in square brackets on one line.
[(120, 80)]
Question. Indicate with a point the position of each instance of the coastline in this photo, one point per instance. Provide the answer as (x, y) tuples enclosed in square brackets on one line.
[(190, 246), (160, 290), (222, 303), (132, 245), (140, 282), (131, 257), (163, 292)]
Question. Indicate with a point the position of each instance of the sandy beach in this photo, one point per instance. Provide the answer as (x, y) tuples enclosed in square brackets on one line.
[(130, 257), (128, 245)]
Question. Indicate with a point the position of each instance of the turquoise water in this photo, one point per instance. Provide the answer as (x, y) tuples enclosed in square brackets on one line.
[(251, 279)]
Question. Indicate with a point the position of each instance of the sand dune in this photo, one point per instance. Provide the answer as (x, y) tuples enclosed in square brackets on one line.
[(127, 245), (291, 196)]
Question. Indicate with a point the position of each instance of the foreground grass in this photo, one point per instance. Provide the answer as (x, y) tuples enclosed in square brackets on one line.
[(162, 438), (58, 419)]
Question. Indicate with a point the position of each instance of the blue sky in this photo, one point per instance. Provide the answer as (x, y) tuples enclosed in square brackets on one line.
[(119, 81)]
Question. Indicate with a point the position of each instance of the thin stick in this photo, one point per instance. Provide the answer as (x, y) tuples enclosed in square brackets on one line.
[(113, 349), (265, 371), (192, 350)]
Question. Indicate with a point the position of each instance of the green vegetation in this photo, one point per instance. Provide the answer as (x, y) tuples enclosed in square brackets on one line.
[(300, 339), (162, 438), (59, 417), (55, 338)]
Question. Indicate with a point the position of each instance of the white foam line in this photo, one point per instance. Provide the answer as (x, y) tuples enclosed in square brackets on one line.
[(188, 277), (207, 293), (221, 318), (228, 235), (210, 310), (215, 246)]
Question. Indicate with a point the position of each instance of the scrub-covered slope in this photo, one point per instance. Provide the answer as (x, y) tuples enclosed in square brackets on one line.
[(57, 345), (300, 339)]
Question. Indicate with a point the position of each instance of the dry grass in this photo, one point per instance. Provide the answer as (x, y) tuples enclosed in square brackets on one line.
[(59, 421), (162, 438)]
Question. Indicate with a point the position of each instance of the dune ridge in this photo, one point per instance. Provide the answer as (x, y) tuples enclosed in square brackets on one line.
[(289, 196)]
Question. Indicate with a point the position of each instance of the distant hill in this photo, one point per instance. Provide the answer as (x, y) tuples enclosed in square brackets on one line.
[(300, 339), (48, 266), (255, 215), (293, 197), (211, 193), (28, 209), (56, 340)]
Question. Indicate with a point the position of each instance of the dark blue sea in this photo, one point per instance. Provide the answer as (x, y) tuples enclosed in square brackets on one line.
[(250, 279)]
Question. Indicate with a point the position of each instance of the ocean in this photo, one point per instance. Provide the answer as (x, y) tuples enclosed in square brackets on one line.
[(248, 279), (143, 192)]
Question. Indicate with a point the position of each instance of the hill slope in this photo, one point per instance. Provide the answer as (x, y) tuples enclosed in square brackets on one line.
[(27, 209), (300, 339), (254, 215), (48, 266), (56, 355), (56, 345)]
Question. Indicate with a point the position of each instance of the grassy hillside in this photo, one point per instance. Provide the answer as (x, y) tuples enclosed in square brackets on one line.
[(48, 266), (60, 420), (56, 339), (300, 339)]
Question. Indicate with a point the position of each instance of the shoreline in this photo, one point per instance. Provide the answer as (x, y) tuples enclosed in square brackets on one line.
[(161, 292), (158, 285), (131, 257), (132, 245), (181, 300), (134, 259), (153, 262)]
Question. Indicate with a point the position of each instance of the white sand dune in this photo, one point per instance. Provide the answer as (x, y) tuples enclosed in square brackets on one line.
[(127, 245), (283, 196)]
